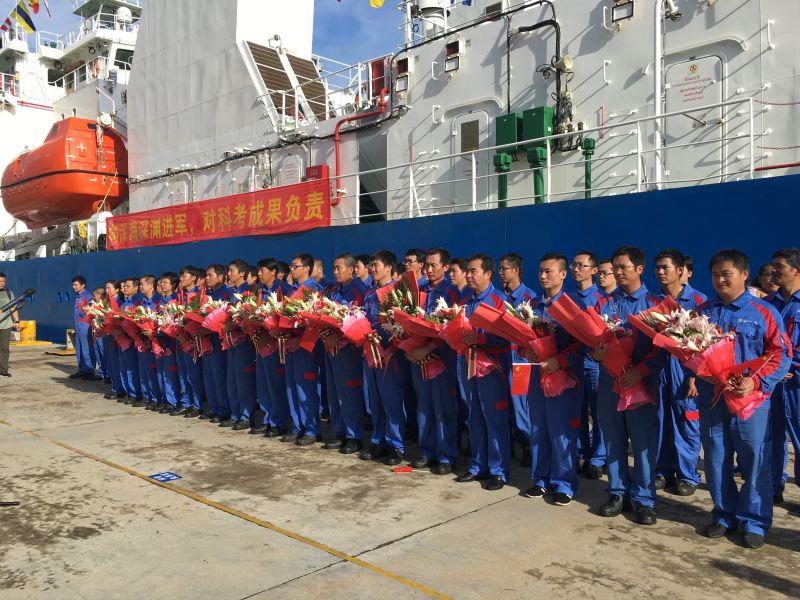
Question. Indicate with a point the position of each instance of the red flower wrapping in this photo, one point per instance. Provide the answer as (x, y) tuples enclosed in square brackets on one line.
[(216, 319), (586, 326), (556, 383), (619, 356), (502, 324), (416, 326), (356, 329), (123, 341), (231, 338), (665, 307), (432, 366), (374, 352), (160, 350), (453, 332), (193, 324)]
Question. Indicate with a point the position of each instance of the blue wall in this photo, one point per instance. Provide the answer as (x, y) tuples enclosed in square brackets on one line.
[(754, 216)]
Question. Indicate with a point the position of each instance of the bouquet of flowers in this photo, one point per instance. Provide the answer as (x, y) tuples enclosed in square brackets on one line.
[(170, 319), (215, 314), (398, 299), (96, 314), (263, 321)]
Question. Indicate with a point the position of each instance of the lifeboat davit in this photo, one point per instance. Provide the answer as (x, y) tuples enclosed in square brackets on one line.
[(81, 167)]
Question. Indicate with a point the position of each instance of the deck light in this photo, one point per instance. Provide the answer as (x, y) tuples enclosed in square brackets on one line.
[(621, 11)]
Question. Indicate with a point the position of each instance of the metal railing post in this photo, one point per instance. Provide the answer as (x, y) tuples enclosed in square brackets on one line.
[(473, 183), (410, 190), (638, 156), (752, 142), (549, 164), (358, 199)]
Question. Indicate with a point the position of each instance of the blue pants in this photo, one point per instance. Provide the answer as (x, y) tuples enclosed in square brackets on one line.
[(723, 435), (84, 351), (521, 413), (168, 378), (100, 357), (271, 391), (215, 379), (554, 437), (679, 433), (302, 390), (463, 408), (112, 364), (437, 411), (387, 393), (190, 374), (129, 363), (785, 418), (242, 381), (148, 377), (345, 383), (489, 429), (591, 446), (640, 426)]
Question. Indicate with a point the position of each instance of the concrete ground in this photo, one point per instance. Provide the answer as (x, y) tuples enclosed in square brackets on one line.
[(255, 518)]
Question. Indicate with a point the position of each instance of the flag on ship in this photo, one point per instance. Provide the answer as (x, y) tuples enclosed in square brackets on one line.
[(34, 4), (23, 17), (376, 3), (47, 8), (7, 25)]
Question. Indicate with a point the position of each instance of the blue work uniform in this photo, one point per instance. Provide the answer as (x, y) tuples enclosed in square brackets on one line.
[(679, 420), (241, 372), (190, 371), (129, 359), (555, 422), (148, 367), (302, 381), (84, 352), (488, 399), (387, 385), (520, 414), (785, 407), (639, 425), (112, 357), (759, 333), (98, 344), (436, 398), (345, 373), (167, 366), (271, 375), (215, 367), (591, 447)]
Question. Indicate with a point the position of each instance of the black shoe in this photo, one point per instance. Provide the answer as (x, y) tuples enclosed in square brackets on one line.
[(442, 469), (215, 419), (257, 429), (334, 444), (561, 499), (289, 437), (593, 472), (777, 498), (646, 515), (421, 462), (241, 425), (350, 447), (752, 540), (684, 488), (110, 396), (5, 374), (76, 376), (306, 440), (716, 530), (165, 410), (88, 376), (151, 406), (526, 460), (138, 403), (106, 380), (495, 483), (614, 506), (274, 432), (93, 378), (176, 412), (580, 466), (226, 423), (369, 452), (536, 491), (204, 416), (393, 457), (661, 482), (466, 478)]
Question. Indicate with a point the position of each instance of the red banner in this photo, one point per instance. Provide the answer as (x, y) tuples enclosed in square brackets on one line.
[(266, 212)]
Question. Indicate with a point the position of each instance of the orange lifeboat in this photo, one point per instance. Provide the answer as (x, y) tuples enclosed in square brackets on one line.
[(67, 178)]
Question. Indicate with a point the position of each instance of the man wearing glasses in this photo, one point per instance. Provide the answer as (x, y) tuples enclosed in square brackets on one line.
[(639, 424), (606, 282), (591, 450), (414, 261)]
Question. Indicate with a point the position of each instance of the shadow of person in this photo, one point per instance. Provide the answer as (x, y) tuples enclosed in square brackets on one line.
[(758, 577)]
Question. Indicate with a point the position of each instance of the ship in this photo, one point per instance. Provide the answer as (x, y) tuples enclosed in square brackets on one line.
[(494, 126)]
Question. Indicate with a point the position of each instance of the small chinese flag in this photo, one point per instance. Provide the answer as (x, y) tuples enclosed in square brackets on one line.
[(520, 378)]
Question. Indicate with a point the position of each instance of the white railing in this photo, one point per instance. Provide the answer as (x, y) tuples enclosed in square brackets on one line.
[(85, 74), (14, 34), (45, 39), (8, 85), (102, 21), (625, 154), (76, 4)]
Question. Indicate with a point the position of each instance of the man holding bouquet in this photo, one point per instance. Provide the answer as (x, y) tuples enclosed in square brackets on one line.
[(215, 363), (241, 368), (148, 369), (190, 371), (760, 338)]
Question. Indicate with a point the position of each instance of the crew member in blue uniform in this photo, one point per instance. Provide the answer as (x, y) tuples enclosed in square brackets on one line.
[(679, 430), (112, 300), (345, 370), (516, 292), (241, 369), (130, 357), (640, 424), (785, 407), (167, 365), (606, 282), (270, 373), (488, 396), (437, 400), (190, 371), (303, 368), (83, 347), (99, 342), (388, 380), (555, 421), (362, 270), (591, 449), (759, 334), (148, 368), (215, 363)]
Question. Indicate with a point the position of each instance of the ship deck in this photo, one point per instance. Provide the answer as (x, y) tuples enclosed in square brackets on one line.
[(255, 518)]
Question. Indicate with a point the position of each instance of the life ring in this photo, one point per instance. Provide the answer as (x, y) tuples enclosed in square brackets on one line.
[(97, 205)]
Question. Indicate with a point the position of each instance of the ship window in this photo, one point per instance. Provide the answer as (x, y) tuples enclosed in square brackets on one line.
[(493, 10), (470, 136), (55, 77), (123, 58)]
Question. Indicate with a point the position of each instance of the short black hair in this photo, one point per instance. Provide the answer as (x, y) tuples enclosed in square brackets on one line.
[(737, 258), (387, 257), (190, 269), (79, 279), (240, 265), (148, 278), (677, 257), (305, 259), (348, 259), (636, 255), (555, 256), (172, 276), (133, 279), (265, 262), (688, 263), (460, 262), (487, 262), (592, 256), (514, 260), (604, 260), (3, 275), (417, 253), (790, 255), (113, 282), (444, 255), (363, 259), (218, 268), (252, 271), (283, 268)]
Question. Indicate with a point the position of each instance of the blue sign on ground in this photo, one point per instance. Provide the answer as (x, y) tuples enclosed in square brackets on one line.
[(165, 476)]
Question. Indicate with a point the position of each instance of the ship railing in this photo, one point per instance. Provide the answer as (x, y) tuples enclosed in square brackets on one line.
[(630, 174), (8, 85), (46, 39), (14, 34), (102, 21), (85, 74), (76, 4)]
